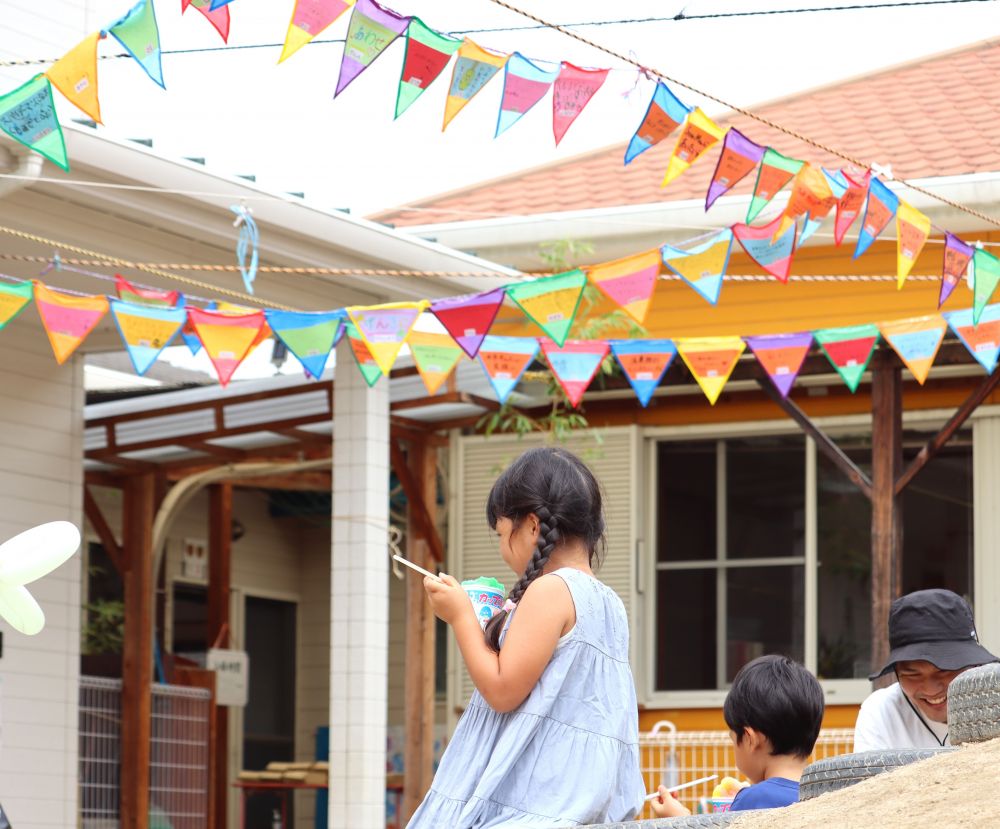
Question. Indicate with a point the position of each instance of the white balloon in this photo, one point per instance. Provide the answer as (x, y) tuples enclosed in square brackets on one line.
[(21, 610), (37, 552)]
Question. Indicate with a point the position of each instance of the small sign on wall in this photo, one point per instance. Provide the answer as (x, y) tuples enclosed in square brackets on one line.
[(194, 559), (232, 675)]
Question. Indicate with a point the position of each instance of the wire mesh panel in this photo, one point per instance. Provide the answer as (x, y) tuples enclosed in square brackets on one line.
[(179, 756), (100, 746)]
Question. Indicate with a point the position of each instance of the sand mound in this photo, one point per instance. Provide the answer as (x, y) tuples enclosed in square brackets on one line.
[(958, 789)]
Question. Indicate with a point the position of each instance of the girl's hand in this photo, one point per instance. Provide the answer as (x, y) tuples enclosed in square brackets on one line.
[(448, 598), (666, 805)]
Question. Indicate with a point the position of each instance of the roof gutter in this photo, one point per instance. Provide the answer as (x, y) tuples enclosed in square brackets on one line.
[(20, 170)]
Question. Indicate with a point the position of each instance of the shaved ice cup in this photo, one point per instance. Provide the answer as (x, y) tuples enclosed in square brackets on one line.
[(486, 595), (720, 804)]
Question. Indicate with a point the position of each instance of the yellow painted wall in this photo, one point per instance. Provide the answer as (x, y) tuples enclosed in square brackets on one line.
[(710, 719)]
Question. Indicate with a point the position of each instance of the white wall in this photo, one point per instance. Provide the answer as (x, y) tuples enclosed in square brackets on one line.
[(41, 446)]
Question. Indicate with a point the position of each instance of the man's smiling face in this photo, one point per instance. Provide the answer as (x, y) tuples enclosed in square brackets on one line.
[(926, 685)]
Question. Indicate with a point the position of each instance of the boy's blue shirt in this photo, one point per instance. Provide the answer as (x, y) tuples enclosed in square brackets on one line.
[(768, 794)]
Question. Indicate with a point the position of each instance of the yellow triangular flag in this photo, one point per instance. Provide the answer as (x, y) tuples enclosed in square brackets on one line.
[(912, 230), (309, 18), (700, 132), (473, 69), (384, 328), (75, 76), (711, 360), (916, 341)]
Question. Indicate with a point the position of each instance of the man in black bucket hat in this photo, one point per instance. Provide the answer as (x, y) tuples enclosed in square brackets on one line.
[(932, 639)]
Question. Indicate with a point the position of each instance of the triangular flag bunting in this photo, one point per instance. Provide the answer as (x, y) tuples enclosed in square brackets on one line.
[(310, 336), (812, 196), (838, 186), (504, 359), (138, 33), (127, 292), (373, 28), (146, 330), (849, 350), (957, 256), (702, 266), (985, 276), (663, 115), (711, 361), (571, 92), (473, 69), (881, 207), (435, 355), (524, 85), (217, 15), (700, 132), (309, 18), (629, 282), (916, 341), (384, 328), (227, 338), (14, 299), (427, 54), (776, 170), (849, 206), (362, 356), (28, 115), (772, 253), (68, 319), (736, 161), (188, 334), (644, 363), (982, 340), (781, 356), (468, 318), (574, 364), (75, 76), (912, 230), (551, 302)]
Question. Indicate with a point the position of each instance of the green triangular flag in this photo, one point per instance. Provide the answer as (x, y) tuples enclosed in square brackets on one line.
[(427, 54), (14, 299), (551, 302), (28, 115), (775, 171), (986, 275), (850, 350), (362, 356)]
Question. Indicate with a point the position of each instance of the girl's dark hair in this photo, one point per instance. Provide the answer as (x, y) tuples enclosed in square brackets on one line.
[(561, 490)]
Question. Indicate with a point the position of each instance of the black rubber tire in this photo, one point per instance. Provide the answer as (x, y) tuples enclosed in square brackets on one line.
[(689, 822), (974, 705), (835, 773)]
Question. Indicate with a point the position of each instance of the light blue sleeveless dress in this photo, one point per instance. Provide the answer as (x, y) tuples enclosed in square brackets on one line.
[(569, 755)]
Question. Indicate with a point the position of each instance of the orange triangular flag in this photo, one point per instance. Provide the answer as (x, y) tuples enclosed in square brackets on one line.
[(75, 76)]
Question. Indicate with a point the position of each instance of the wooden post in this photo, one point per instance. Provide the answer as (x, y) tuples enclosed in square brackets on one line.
[(137, 656), (220, 521), (418, 757), (887, 525)]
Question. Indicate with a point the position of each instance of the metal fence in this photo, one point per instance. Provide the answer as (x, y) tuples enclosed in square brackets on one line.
[(179, 755), (672, 757)]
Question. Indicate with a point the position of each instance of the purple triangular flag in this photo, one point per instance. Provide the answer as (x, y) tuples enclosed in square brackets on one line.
[(782, 356), (957, 255), (738, 158), (468, 318), (371, 31)]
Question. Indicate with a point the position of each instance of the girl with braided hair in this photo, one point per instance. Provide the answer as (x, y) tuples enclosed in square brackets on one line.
[(550, 736)]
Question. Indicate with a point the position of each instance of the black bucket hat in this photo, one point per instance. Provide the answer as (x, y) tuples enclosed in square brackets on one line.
[(935, 626)]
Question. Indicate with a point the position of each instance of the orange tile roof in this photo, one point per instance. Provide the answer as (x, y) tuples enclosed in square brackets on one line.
[(935, 117)]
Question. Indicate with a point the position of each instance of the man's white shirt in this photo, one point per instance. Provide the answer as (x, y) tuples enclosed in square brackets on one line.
[(886, 721)]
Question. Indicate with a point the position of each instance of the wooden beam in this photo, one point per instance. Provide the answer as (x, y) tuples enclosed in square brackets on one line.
[(137, 657), (290, 482), (220, 521), (104, 533), (824, 443), (403, 431), (100, 477), (414, 498), (936, 443)]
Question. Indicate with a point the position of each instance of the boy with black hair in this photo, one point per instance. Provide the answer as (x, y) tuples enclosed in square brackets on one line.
[(774, 711)]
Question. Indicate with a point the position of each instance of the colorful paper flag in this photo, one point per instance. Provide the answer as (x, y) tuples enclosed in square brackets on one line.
[(551, 302), (435, 355), (574, 364), (629, 282), (127, 292), (504, 359), (776, 170), (912, 230), (916, 341), (985, 276), (227, 338), (849, 350), (474, 68), (812, 196), (468, 318), (310, 336), (772, 253), (881, 207), (146, 330), (738, 158), (217, 15), (644, 362), (362, 356), (703, 266), (711, 361), (68, 319), (982, 340), (781, 356), (138, 33), (75, 76), (309, 18), (524, 85), (849, 206), (14, 298), (427, 54), (372, 29), (384, 328), (664, 114), (28, 115), (699, 133), (957, 256), (571, 92)]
